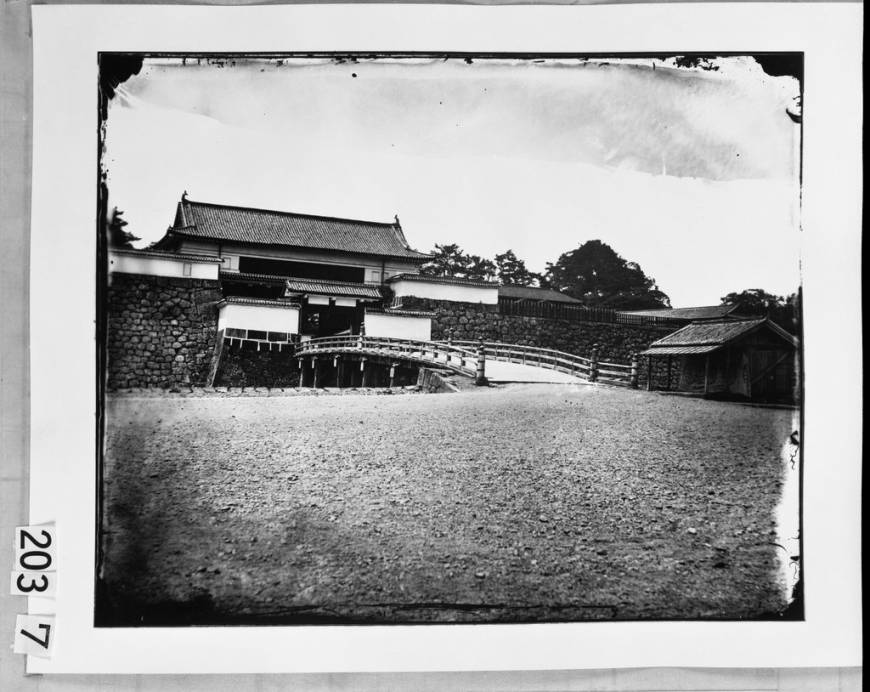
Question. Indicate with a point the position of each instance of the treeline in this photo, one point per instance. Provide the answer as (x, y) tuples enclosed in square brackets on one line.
[(597, 275), (593, 273), (783, 310)]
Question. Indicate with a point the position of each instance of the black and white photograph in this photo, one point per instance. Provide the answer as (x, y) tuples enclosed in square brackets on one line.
[(412, 338), (432, 346)]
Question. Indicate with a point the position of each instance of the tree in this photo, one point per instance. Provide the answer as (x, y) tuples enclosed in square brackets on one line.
[(480, 268), (512, 270), (447, 260), (597, 275), (783, 310), (450, 260), (115, 232)]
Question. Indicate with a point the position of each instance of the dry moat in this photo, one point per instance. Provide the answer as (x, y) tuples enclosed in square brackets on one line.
[(517, 503)]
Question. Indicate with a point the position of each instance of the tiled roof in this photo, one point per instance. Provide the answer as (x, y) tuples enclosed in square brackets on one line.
[(442, 280), (333, 288), (706, 312), (181, 257), (249, 276), (713, 334), (532, 293), (266, 227), (678, 350), (400, 313), (271, 302)]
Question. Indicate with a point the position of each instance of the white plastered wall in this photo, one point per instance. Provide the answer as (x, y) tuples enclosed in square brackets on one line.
[(461, 293), (398, 327), (264, 318), (162, 266)]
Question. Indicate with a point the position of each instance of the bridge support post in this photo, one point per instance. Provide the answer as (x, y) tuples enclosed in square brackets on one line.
[(315, 367), (301, 373), (393, 367), (336, 363), (593, 364), (649, 373), (364, 377), (634, 370), (480, 377)]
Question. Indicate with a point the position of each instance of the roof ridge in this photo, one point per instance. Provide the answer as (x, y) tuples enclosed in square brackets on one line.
[(386, 224), (330, 281), (733, 320), (410, 276), (690, 307)]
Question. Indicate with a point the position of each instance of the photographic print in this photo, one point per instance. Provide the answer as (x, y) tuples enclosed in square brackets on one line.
[(448, 338)]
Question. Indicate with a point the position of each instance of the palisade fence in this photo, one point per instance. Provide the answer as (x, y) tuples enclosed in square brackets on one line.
[(581, 313)]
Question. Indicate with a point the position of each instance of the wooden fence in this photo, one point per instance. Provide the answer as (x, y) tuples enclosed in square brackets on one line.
[(582, 313)]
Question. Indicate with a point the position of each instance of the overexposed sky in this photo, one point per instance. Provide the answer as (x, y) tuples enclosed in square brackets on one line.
[(690, 173)]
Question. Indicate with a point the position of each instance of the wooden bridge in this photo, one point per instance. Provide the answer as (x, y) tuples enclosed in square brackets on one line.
[(480, 360)]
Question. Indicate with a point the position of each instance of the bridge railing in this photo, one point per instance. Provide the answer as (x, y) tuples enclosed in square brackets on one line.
[(532, 355), (454, 357), (591, 369), (617, 373), (462, 356)]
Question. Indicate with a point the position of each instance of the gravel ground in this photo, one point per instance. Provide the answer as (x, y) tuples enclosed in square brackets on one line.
[(517, 503)]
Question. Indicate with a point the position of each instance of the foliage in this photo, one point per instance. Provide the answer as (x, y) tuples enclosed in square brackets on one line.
[(512, 270), (115, 232), (783, 310), (480, 268), (597, 275), (450, 260)]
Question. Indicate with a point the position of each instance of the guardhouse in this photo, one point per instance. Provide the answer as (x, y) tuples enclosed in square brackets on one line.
[(749, 359)]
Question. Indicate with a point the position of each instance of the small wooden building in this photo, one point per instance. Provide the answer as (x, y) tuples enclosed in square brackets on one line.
[(748, 359)]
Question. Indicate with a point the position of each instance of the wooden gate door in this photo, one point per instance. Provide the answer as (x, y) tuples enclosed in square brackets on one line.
[(764, 367)]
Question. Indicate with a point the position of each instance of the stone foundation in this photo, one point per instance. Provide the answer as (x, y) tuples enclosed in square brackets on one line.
[(245, 366), (160, 330)]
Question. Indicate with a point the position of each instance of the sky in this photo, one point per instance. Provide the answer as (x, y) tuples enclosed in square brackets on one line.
[(691, 173)]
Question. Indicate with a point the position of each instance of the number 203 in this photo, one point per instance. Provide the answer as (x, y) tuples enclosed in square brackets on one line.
[(35, 562), (32, 553)]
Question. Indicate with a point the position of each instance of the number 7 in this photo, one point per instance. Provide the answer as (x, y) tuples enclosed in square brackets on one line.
[(43, 644)]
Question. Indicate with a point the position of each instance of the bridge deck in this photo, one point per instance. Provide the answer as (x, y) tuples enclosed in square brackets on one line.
[(498, 371), (503, 362)]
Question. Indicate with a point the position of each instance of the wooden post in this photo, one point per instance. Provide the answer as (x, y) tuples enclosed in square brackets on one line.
[(336, 363), (593, 364), (669, 373), (450, 336), (706, 372), (393, 367), (364, 379), (301, 372), (480, 378), (315, 368), (634, 370), (649, 373)]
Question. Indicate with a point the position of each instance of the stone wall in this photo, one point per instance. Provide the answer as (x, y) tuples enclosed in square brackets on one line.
[(616, 342), (160, 331), (245, 366)]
